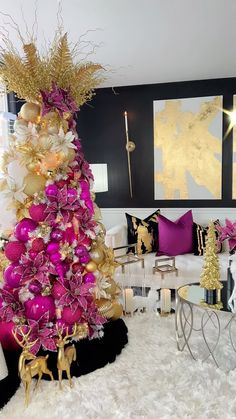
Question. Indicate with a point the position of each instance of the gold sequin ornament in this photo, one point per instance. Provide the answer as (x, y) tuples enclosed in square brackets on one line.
[(30, 112), (51, 122), (34, 183), (105, 308), (96, 254)]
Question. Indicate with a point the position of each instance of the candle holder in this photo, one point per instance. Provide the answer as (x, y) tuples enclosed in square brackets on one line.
[(128, 297), (165, 302)]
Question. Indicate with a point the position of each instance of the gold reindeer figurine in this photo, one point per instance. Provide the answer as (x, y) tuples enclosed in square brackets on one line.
[(36, 366), (66, 356)]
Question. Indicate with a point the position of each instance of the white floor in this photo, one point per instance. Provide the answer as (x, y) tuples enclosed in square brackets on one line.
[(150, 379)]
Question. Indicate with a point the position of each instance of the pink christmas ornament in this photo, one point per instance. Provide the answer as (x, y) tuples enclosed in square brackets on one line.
[(11, 276), (6, 337), (77, 267), (55, 258), (39, 305), (80, 250), (14, 250), (38, 245), (85, 258), (71, 316), (24, 228), (62, 325), (51, 191), (57, 235), (60, 270), (52, 248), (89, 205), (58, 290), (37, 212), (35, 287), (89, 277)]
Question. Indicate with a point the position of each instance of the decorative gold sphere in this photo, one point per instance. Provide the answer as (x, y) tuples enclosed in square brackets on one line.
[(32, 167), (71, 155), (130, 146), (30, 112), (45, 140), (97, 254), (117, 310), (33, 183), (51, 161), (91, 266), (105, 308)]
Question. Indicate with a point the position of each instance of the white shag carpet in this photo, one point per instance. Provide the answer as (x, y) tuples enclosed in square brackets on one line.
[(150, 379)]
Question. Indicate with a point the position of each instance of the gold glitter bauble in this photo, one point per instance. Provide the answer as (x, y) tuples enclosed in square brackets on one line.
[(51, 161), (70, 155), (91, 266), (30, 112), (34, 183), (45, 140), (112, 287), (32, 167), (105, 308), (117, 309), (97, 255)]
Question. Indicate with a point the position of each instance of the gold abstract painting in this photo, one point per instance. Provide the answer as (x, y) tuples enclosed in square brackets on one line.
[(234, 156), (188, 148)]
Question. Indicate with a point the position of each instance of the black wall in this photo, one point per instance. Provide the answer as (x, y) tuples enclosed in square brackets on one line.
[(101, 127)]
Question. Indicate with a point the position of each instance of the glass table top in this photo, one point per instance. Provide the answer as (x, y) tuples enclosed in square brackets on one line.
[(194, 294)]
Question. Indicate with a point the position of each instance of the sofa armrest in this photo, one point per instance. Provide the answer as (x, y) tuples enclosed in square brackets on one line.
[(116, 236)]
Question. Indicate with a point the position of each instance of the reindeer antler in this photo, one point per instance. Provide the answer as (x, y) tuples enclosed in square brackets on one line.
[(24, 343)]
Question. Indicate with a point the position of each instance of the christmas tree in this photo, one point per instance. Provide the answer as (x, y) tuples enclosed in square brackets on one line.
[(210, 276), (58, 271)]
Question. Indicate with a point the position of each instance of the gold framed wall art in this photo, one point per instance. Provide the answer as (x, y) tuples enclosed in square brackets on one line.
[(188, 148)]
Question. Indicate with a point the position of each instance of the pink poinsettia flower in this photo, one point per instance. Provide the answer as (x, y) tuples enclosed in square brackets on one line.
[(62, 206), (38, 268), (77, 294), (228, 232), (57, 98), (93, 318), (43, 332), (11, 307)]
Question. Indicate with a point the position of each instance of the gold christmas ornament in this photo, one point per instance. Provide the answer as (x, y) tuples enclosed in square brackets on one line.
[(117, 310), (34, 183), (30, 112), (70, 155), (50, 162), (45, 141), (105, 308), (91, 266), (97, 254)]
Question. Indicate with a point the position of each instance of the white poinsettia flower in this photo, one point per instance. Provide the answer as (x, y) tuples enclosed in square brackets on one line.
[(23, 131), (15, 190), (100, 288), (63, 142)]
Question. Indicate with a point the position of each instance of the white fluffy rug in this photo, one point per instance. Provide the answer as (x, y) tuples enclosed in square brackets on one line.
[(150, 379)]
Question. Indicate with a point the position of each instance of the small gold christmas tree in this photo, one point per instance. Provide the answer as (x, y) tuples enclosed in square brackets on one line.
[(211, 268)]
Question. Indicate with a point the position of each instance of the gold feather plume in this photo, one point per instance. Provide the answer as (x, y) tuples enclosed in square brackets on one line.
[(28, 74)]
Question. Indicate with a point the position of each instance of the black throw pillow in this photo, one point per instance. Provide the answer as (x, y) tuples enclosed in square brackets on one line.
[(150, 223), (199, 238)]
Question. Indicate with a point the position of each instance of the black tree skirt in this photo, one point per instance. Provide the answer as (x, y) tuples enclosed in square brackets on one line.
[(91, 355)]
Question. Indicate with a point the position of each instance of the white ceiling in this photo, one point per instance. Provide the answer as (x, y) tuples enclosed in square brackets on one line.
[(143, 41)]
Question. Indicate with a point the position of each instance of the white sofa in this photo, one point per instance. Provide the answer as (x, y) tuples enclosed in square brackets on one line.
[(189, 266)]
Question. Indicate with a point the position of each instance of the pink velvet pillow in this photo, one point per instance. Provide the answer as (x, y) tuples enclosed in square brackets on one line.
[(175, 237)]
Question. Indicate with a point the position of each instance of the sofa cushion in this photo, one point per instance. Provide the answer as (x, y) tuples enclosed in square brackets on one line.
[(147, 237), (200, 236), (175, 237)]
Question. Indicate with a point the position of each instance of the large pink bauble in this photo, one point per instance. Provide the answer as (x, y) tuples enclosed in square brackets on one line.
[(51, 191), (24, 228), (70, 316), (38, 245), (11, 277), (37, 212), (57, 235), (14, 250), (89, 277), (35, 287), (52, 248), (39, 305), (6, 337), (58, 290)]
